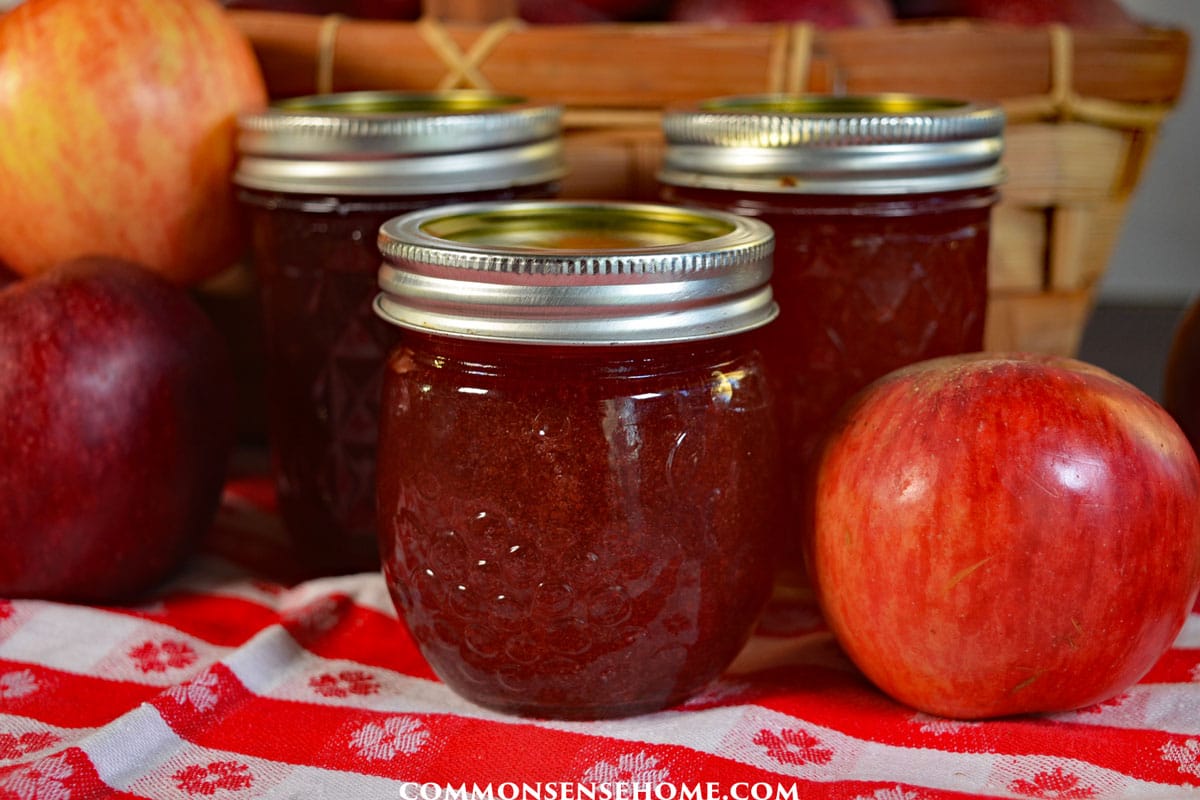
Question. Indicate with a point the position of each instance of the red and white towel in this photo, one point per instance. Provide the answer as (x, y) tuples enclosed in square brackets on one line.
[(234, 682)]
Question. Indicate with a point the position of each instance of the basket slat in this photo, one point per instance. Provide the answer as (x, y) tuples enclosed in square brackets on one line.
[(1061, 164), (1083, 109), (962, 58), (1036, 322), (1083, 236), (652, 65), (1016, 261)]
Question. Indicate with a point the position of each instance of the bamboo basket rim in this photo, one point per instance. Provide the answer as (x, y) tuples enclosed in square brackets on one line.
[(1053, 82), (795, 49)]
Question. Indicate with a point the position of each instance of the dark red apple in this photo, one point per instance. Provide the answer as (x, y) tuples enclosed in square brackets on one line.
[(1076, 13), (317, 7), (588, 11), (1181, 379), (823, 13), (360, 9), (384, 9), (116, 421), (559, 12), (923, 9), (998, 535), (630, 10)]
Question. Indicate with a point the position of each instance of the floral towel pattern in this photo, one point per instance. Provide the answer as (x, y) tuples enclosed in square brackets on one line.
[(234, 682)]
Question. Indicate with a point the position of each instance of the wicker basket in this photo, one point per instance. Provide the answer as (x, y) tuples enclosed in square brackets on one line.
[(1083, 110)]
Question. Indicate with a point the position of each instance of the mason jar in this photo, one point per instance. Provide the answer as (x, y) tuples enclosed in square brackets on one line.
[(577, 461), (317, 177), (881, 207)]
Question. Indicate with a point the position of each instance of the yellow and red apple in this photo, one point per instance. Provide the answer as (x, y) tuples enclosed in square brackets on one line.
[(118, 121)]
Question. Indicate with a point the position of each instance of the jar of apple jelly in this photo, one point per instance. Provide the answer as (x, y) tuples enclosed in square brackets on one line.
[(577, 458), (318, 176), (880, 207)]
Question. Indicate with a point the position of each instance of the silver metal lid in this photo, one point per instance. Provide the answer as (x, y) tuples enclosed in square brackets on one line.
[(375, 142), (580, 273), (818, 144)]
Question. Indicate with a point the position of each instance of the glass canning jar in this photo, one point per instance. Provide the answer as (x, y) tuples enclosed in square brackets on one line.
[(881, 209), (577, 457), (317, 177)]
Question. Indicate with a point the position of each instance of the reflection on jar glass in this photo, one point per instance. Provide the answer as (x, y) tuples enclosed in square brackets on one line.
[(881, 209), (317, 177), (578, 462)]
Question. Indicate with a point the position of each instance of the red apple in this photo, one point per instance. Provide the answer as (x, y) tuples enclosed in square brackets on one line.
[(1181, 379), (318, 7), (116, 421), (921, 9), (118, 121), (1076, 13), (559, 12), (360, 9), (629, 10), (823, 13), (586, 11), (1000, 534), (383, 9)]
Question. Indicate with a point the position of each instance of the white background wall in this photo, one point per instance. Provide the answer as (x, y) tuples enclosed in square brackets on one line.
[(1157, 258)]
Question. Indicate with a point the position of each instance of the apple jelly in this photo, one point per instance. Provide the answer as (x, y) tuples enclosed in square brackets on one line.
[(577, 458), (881, 208), (318, 176)]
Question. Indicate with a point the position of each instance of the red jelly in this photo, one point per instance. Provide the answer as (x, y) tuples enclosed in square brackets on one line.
[(577, 458), (318, 176), (881, 210)]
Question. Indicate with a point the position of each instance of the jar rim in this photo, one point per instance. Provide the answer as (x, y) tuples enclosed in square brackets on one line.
[(891, 143), (373, 142), (575, 272)]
